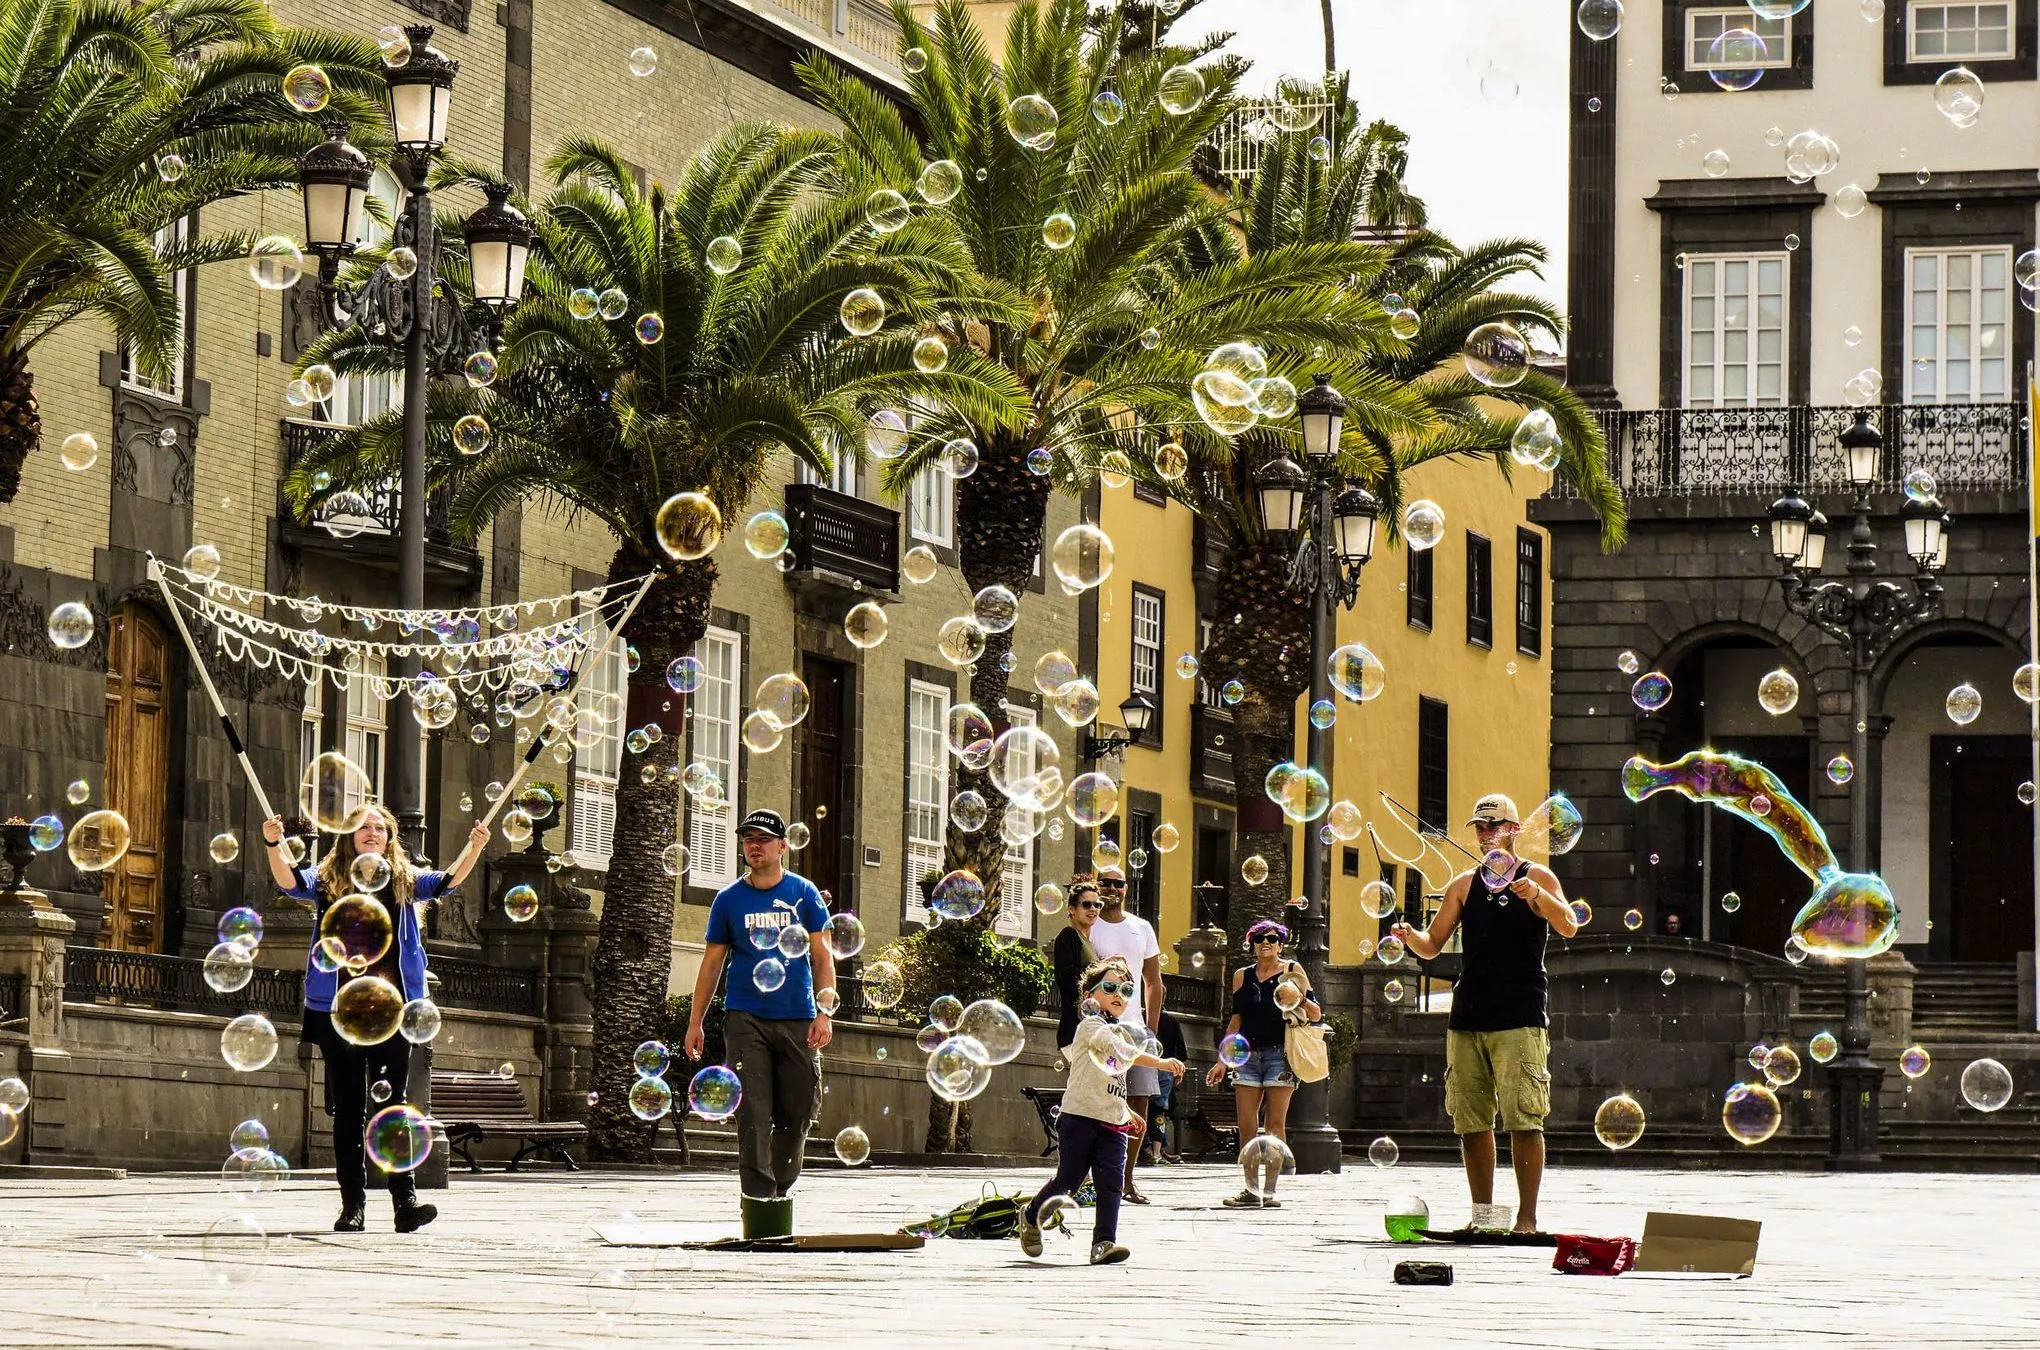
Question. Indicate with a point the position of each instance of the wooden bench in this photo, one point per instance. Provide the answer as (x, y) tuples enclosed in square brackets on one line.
[(1048, 1106), (1218, 1115), (475, 1107)]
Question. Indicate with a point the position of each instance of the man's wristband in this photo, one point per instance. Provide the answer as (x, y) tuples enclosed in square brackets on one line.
[(272, 843)]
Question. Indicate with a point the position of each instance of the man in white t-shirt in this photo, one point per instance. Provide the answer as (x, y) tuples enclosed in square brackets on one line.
[(1132, 938)]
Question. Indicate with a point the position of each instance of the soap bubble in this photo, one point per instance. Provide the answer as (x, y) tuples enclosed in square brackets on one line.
[(1914, 1061), (1736, 60), (1781, 1066), (1082, 557), (1750, 1113), (1958, 95), (1629, 663), (766, 535), (1554, 824), (1986, 1085), (584, 302), (862, 312), (1632, 919), (887, 211), (1051, 672), (241, 926), (918, 564), (1535, 437), (792, 942), (1964, 704), (98, 840), (77, 792), (1619, 1121), (1234, 1051), (865, 625), (275, 262), (1357, 673), (914, 60), (1390, 950), (398, 1138), (1301, 791), (995, 1027), (967, 811), (931, 355), (1031, 121), (1093, 800), (651, 1058), (642, 61), (1778, 692), (724, 254), (1600, 19), (80, 451), (248, 1043), (307, 88), (957, 1070), (939, 182), (650, 329), (965, 727), (1920, 486), (996, 609), (226, 846), (520, 903), (1165, 838), (1383, 1152), (70, 626), (229, 967), (845, 933), (419, 1021), (1822, 1047), (1107, 108), (685, 674), (960, 641), (853, 1146), (1273, 397), (768, 975), (1423, 524), (1048, 898), (1254, 870), (1077, 703), (958, 895), (1263, 1159), (884, 986), (1496, 355), (1181, 90), (360, 925), (689, 526), (1059, 231), (761, 734), (1323, 713), (367, 1010), (1731, 902), (1651, 691)]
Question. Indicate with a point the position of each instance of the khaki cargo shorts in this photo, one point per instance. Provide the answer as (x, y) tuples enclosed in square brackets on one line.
[(1497, 1072)]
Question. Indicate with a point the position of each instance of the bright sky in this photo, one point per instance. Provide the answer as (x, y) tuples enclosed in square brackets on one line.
[(1479, 85)]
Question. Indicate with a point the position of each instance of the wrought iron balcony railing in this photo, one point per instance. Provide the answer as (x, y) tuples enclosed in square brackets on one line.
[(485, 988), (1211, 754), (863, 28), (843, 536), (384, 500), (1667, 452), (175, 984), (1236, 147)]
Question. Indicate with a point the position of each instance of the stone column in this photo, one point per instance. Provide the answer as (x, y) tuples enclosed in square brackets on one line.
[(33, 935), (1201, 954), (568, 1037)]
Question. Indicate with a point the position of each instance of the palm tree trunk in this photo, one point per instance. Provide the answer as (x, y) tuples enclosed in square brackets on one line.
[(20, 423), (633, 950), (1331, 48)]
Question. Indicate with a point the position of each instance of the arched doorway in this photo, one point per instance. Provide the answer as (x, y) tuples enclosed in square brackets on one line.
[(139, 709), (1697, 856)]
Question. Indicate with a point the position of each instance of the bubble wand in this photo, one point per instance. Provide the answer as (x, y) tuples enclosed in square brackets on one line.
[(541, 741), (211, 692)]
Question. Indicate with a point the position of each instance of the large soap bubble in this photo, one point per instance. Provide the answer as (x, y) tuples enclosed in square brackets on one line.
[(1093, 799), (360, 925), (1986, 1085), (1082, 557), (1554, 825), (715, 1093), (958, 895), (689, 526), (1750, 1113), (98, 840), (996, 1027), (1496, 355), (1357, 672), (784, 699), (248, 1043), (1181, 90), (1619, 1121), (367, 1010), (1600, 19), (398, 1138), (1031, 121), (335, 793), (1263, 1160)]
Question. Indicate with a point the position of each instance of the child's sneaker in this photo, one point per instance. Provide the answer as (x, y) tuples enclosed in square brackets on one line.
[(1030, 1235), (1108, 1253)]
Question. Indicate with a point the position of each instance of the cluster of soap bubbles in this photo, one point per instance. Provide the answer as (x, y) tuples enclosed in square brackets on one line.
[(964, 1043), (1234, 391)]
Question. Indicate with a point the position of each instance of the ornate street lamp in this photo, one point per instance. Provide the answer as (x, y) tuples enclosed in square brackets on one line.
[(498, 241), (1137, 714)]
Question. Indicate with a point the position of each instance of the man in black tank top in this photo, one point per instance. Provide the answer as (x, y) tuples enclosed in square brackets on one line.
[(1498, 1048)]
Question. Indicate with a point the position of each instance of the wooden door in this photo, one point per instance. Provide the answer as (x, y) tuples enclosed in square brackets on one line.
[(1985, 835), (1748, 861), (823, 759), (138, 709)]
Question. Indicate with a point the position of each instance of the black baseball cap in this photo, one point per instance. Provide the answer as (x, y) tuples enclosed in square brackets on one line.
[(764, 822)]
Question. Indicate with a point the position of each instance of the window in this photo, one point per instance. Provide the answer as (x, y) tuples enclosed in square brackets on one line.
[(842, 477), (1016, 878), (311, 723), (931, 507), (367, 720), (1422, 569), (1143, 887), (1959, 340), (596, 767), (711, 845), (1433, 753), (1480, 612), (173, 235), (1735, 331), (1207, 692), (1147, 657), (1940, 32), (1705, 25), (927, 787), (1529, 592)]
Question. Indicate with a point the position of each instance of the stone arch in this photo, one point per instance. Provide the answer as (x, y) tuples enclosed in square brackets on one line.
[(1934, 631)]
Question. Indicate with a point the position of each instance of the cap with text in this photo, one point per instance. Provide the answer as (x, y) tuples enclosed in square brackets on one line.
[(764, 822), (1491, 809)]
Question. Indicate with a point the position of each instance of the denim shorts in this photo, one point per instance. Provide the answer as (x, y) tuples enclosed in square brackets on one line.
[(1265, 1068)]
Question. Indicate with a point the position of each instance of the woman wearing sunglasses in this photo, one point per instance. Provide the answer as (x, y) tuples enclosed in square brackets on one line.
[(1073, 955), (1096, 1125), (1265, 1079)]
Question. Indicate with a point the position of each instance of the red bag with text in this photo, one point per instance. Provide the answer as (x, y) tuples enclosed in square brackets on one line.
[(1580, 1255)]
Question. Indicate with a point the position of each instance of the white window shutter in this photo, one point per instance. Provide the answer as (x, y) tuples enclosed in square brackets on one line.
[(1016, 875), (594, 820)]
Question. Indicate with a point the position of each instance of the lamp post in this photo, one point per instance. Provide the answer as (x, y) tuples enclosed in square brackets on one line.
[(403, 302), (1333, 524), (1865, 616), (1136, 714)]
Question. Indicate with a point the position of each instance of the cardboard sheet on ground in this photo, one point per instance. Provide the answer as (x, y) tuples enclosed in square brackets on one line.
[(689, 1235), (1697, 1245)]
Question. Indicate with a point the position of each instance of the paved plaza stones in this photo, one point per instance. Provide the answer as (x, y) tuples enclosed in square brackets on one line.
[(1898, 1260)]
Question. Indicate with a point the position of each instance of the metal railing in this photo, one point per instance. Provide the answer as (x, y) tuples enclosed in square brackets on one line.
[(843, 535), (486, 988), (384, 500), (864, 28), (1236, 147), (1666, 452), (175, 984), (1189, 996), (13, 997)]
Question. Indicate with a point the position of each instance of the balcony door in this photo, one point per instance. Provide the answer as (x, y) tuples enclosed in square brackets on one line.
[(1984, 877), (825, 791), (139, 706)]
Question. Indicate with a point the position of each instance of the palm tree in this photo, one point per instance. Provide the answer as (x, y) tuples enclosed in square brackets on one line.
[(1071, 253), (1294, 199), (591, 418), (117, 120)]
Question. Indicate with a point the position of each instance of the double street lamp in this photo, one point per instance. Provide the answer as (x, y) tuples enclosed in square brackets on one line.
[(402, 302), (1333, 524), (1864, 615)]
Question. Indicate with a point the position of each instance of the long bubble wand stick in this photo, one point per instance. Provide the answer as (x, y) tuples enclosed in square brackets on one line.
[(211, 692), (541, 741)]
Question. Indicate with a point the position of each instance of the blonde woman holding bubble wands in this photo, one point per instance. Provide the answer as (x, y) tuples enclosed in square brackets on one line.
[(1262, 1078), (399, 886)]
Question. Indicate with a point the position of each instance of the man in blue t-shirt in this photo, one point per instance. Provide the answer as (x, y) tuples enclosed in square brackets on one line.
[(772, 1029)]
